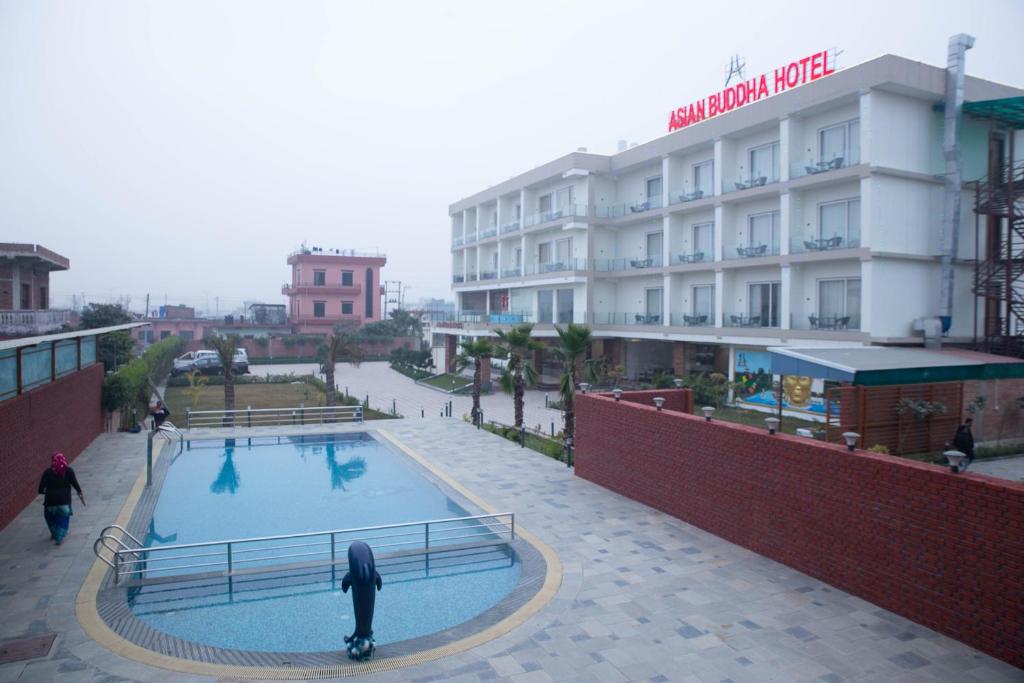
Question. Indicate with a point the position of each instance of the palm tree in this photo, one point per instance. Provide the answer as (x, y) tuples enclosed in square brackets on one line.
[(573, 342), (341, 344), (517, 345), (225, 347), (475, 351)]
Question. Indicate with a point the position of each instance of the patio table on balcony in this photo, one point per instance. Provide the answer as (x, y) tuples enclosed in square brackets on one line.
[(641, 319), (743, 320), (750, 252), (823, 244), (690, 196), (829, 322), (695, 319), (641, 262), (696, 257)]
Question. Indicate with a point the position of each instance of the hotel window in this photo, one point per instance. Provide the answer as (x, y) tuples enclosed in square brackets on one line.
[(494, 261), (319, 278), (545, 306), (165, 334), (318, 308), (564, 300), (368, 294), (519, 212), (517, 258), (544, 203), (703, 303), (704, 178), (652, 186), (346, 278), (839, 303), (564, 198), (764, 163), (840, 143), (494, 219), (43, 303), (763, 303), (654, 242), (764, 230), (840, 222), (652, 308), (346, 308), (26, 297), (703, 242)]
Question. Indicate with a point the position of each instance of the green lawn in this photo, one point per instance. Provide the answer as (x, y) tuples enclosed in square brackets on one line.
[(756, 419), (255, 395), (448, 381)]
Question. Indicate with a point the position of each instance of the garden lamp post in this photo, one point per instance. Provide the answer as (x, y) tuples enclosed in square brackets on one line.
[(773, 424), (617, 393), (708, 412), (851, 440), (659, 402), (956, 461)]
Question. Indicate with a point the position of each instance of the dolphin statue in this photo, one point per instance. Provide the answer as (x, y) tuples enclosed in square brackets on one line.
[(364, 580)]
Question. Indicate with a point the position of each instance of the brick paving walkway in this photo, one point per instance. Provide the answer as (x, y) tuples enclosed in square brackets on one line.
[(644, 596)]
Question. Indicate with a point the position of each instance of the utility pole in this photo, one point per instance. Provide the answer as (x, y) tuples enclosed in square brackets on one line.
[(147, 304), (392, 295)]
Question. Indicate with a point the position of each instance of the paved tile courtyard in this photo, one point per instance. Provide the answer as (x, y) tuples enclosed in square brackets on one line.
[(644, 597)]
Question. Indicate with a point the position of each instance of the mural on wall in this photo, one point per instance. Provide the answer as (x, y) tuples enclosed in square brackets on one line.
[(756, 386)]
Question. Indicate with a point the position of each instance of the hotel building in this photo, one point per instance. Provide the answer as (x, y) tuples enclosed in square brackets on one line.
[(811, 217)]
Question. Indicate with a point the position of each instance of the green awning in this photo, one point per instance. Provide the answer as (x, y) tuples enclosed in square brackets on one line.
[(879, 365), (1009, 110)]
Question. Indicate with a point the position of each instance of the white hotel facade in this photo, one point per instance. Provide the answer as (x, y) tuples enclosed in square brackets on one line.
[(811, 217)]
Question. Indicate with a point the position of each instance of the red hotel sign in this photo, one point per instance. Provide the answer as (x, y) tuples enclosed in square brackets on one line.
[(785, 77)]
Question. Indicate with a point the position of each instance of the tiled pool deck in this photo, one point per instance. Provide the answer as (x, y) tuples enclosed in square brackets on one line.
[(644, 596)]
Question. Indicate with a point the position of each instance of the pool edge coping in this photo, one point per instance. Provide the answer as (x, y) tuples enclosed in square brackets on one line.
[(96, 628)]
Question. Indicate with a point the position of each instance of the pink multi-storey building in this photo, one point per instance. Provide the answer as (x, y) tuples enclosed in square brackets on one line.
[(332, 286)]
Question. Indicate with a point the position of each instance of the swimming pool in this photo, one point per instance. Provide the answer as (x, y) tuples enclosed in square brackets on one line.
[(269, 486)]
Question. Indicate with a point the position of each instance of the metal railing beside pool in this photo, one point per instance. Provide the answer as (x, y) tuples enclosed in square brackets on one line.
[(132, 560), (272, 417)]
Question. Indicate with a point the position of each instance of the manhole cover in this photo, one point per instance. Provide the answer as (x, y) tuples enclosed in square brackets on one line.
[(21, 649)]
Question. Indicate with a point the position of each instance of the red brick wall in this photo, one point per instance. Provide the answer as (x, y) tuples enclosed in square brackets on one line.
[(65, 416), (679, 400), (944, 550)]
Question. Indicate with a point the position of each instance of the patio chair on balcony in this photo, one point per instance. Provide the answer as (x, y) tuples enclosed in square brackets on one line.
[(810, 245), (813, 319), (736, 320), (740, 185), (835, 242), (759, 181), (837, 162), (754, 321), (640, 207), (843, 322)]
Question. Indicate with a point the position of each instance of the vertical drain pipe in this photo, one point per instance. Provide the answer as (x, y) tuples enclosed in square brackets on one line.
[(950, 235)]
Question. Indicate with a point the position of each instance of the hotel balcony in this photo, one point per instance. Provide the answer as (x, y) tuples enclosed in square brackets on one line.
[(750, 182), (632, 208), (748, 320), (567, 265), (488, 275), (511, 226), (511, 272), (687, 197), (693, 319), (325, 320), (627, 319), (826, 322), (457, 242), (817, 245), (625, 263), (561, 213), (751, 251), (693, 257), (819, 164), (312, 288), (26, 323)]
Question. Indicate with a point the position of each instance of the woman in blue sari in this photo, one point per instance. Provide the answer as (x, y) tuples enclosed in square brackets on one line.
[(56, 485)]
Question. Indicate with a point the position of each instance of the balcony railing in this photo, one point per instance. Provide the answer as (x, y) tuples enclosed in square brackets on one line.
[(458, 278), (562, 212), (826, 322), (627, 263), (746, 183), (325, 288), (489, 232), (471, 238), (457, 241), (632, 208), (470, 277), (751, 251), (488, 275), (471, 316), (509, 318), (684, 197), (511, 272), (627, 319), (817, 244), (693, 319), (751, 320), (511, 226), (327, 319), (31, 322), (693, 257), (566, 265), (816, 165)]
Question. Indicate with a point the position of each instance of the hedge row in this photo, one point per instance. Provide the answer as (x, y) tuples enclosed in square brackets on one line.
[(129, 388)]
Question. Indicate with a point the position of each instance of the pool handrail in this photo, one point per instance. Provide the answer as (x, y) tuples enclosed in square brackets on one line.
[(298, 415), (125, 558)]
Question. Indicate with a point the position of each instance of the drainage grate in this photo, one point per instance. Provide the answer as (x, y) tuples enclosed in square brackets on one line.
[(20, 649)]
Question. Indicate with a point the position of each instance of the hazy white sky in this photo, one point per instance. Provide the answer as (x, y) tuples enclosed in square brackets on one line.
[(183, 148)]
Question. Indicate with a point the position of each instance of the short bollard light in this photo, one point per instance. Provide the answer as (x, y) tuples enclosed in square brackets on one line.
[(584, 387), (956, 461), (678, 382), (773, 424), (708, 412), (659, 402), (617, 393), (851, 440)]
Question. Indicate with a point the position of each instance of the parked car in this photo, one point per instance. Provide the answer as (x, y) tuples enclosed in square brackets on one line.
[(184, 363), (207, 362), (207, 365), (241, 362)]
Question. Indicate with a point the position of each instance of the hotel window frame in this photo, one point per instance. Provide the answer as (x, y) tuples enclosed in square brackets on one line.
[(350, 278), (696, 171), (709, 226), (850, 213), (656, 259), (347, 304), (710, 313), (776, 225), (564, 198), (322, 308), (848, 139), (648, 313), (854, 323), (774, 303), (774, 151), (319, 278), (647, 188)]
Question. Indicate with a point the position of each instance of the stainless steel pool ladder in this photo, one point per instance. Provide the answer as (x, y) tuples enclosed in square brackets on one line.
[(168, 431), (117, 547)]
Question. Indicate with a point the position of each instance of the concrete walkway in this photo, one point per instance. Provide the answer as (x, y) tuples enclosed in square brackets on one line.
[(1011, 467), (644, 597), (384, 385)]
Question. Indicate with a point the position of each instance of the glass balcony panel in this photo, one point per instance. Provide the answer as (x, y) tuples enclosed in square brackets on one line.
[(511, 226), (745, 319), (684, 196), (571, 264), (752, 251), (821, 164), (825, 322), (692, 257), (555, 214), (633, 208), (511, 272)]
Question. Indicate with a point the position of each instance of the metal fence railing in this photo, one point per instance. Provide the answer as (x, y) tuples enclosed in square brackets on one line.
[(130, 560), (270, 417)]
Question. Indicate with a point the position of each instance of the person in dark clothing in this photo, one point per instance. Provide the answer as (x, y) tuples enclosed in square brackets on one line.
[(963, 441), (159, 413), (56, 484)]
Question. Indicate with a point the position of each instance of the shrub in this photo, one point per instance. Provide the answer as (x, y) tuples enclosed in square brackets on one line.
[(129, 388), (879, 448)]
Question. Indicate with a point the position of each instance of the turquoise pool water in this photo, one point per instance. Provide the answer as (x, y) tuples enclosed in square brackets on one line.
[(224, 490)]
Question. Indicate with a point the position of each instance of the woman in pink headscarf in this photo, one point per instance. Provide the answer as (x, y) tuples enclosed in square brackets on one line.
[(56, 485)]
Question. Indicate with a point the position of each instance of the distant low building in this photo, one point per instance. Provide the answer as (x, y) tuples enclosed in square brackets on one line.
[(331, 286), (25, 290)]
